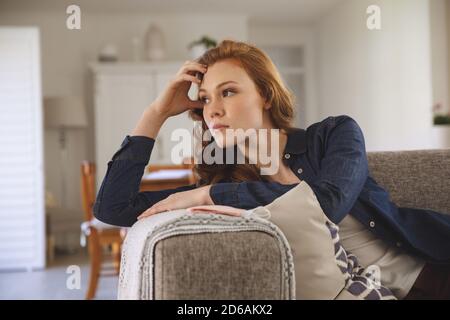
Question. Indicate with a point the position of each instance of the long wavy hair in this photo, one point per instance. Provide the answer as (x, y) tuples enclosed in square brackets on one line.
[(270, 86)]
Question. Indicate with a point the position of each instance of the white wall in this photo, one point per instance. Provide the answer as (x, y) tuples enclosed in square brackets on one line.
[(381, 78), (439, 52), (440, 67), (270, 35), (447, 16), (65, 58)]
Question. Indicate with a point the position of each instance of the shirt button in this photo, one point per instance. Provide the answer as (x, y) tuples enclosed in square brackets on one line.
[(372, 224), (300, 170), (287, 156), (399, 244)]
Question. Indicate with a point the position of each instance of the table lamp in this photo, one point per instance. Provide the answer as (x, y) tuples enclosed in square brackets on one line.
[(63, 113)]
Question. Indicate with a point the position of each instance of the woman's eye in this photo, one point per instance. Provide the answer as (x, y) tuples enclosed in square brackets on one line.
[(206, 100), (228, 90)]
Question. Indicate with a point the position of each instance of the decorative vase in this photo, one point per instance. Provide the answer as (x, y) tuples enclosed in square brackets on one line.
[(155, 44), (440, 136)]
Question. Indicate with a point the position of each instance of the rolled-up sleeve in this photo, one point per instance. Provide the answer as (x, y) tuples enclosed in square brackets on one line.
[(119, 201), (120, 185)]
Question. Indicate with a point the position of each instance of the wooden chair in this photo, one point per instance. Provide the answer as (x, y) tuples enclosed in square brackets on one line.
[(100, 237)]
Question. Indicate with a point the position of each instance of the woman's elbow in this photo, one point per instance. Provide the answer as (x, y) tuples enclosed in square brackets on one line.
[(110, 216), (100, 213)]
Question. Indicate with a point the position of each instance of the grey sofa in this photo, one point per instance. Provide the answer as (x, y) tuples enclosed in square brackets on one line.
[(251, 264)]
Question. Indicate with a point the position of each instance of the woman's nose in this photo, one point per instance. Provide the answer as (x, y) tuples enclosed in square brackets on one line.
[(214, 109)]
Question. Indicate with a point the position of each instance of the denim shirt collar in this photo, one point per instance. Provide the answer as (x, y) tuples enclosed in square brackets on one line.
[(296, 142)]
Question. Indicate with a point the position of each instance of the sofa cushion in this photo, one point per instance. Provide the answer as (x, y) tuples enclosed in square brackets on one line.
[(299, 215), (323, 269)]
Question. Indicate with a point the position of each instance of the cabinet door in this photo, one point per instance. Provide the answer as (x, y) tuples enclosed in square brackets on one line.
[(120, 100), (162, 153)]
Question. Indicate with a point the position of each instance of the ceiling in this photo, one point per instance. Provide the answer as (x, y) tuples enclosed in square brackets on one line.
[(286, 12)]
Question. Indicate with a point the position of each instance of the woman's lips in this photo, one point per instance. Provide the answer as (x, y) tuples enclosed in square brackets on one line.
[(219, 127)]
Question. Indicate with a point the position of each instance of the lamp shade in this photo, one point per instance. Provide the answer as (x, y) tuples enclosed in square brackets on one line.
[(64, 112)]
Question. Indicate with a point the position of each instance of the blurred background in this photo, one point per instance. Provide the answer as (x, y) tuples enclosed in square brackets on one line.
[(75, 77)]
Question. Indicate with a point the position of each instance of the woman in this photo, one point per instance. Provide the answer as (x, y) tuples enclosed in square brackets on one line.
[(241, 89)]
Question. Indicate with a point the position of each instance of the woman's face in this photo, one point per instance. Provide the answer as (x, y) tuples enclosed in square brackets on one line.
[(231, 101)]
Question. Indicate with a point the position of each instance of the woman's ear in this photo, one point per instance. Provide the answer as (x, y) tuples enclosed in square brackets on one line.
[(267, 106)]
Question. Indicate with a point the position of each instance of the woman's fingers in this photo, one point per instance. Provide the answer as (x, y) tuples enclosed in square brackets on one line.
[(188, 72), (156, 208), (192, 67), (218, 209), (187, 77), (146, 213)]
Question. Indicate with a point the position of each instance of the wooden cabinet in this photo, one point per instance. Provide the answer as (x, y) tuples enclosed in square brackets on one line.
[(122, 92)]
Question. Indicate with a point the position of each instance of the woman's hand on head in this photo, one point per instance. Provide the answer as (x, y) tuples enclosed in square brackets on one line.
[(174, 98), (180, 200)]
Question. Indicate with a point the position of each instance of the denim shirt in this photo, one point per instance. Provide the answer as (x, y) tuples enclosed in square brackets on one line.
[(330, 156)]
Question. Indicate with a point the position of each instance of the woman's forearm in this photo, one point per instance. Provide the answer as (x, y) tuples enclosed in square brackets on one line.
[(149, 124)]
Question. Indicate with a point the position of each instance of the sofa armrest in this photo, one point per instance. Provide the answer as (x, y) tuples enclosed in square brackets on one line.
[(228, 265), (179, 255)]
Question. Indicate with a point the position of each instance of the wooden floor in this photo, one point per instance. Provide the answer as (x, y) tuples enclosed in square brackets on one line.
[(51, 282)]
